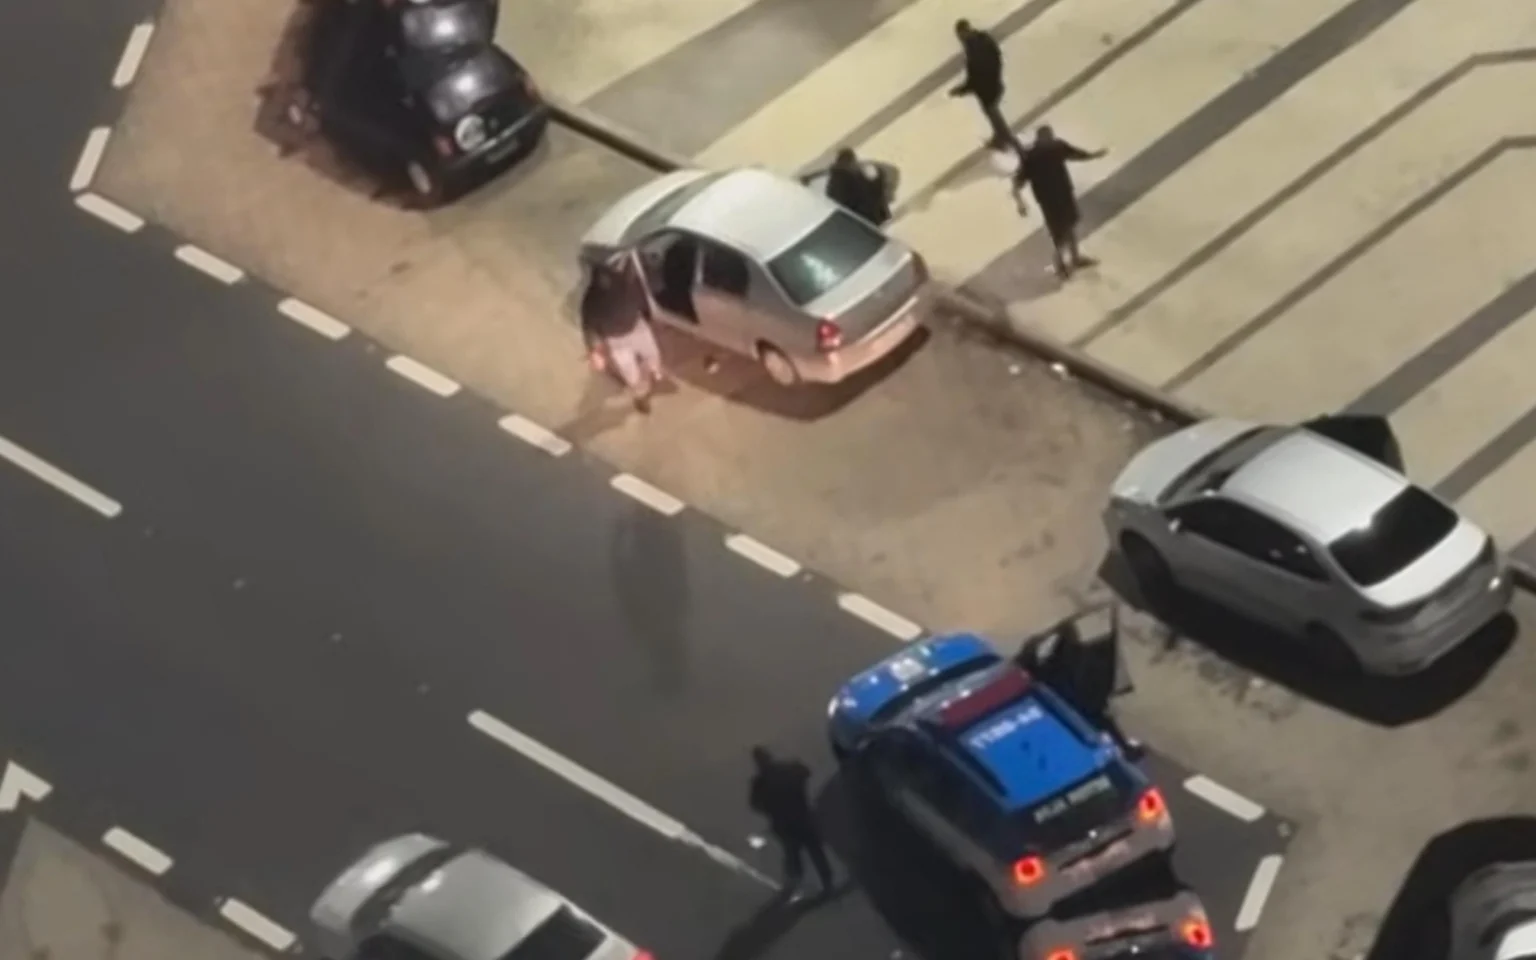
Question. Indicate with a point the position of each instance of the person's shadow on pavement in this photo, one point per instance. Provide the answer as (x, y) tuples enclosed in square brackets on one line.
[(650, 575), (767, 924)]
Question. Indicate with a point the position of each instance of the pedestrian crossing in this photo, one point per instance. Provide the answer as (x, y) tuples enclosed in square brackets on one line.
[(1306, 206)]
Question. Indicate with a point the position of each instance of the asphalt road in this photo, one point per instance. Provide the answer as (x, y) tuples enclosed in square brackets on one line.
[(266, 662)]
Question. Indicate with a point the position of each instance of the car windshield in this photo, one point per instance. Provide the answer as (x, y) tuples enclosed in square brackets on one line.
[(458, 88), (566, 935), (923, 688), (662, 211), (1398, 534), (1212, 470), (1069, 815), (376, 909), (826, 256)]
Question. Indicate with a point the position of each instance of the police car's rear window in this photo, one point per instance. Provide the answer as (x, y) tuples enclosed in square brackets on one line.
[(1084, 806)]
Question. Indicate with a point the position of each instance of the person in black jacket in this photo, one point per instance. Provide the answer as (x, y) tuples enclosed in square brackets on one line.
[(984, 80), (1043, 168), (859, 187), (780, 792), (1085, 672)]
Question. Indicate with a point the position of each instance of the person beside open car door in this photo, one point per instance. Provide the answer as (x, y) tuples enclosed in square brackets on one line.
[(1079, 658)]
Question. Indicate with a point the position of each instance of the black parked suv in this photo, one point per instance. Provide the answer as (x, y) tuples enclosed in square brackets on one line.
[(416, 93)]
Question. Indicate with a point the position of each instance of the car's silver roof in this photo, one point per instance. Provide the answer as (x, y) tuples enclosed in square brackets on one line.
[(1317, 487), (475, 908), (758, 212)]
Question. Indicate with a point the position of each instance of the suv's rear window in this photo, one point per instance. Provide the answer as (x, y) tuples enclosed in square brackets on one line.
[(1400, 533), (564, 936), (825, 257)]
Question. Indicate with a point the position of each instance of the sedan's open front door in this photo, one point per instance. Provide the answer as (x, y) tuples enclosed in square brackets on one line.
[(1367, 434)]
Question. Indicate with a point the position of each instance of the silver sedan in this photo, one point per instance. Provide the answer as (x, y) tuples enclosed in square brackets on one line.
[(1493, 914), (1312, 537), (417, 898), (764, 267)]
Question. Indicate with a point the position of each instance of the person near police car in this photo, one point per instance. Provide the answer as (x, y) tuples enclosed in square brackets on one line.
[(780, 793), (1084, 671)]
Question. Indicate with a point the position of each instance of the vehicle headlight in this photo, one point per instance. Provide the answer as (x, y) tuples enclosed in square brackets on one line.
[(469, 133)]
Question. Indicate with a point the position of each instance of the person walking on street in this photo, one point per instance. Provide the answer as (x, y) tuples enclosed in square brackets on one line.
[(1043, 167), (863, 188), (984, 80), (780, 793), (615, 325)]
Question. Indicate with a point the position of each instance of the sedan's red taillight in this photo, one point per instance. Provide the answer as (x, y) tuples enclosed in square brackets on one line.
[(643, 955), (444, 146), (828, 336)]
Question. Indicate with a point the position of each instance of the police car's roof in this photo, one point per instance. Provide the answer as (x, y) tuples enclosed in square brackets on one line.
[(1023, 737)]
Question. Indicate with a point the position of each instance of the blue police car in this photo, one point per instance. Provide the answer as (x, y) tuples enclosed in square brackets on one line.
[(1005, 778), (1174, 928)]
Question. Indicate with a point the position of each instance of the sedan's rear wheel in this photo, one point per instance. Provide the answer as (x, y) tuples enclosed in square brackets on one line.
[(778, 366)]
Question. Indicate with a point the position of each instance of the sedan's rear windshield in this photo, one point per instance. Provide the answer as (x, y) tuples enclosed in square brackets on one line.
[(464, 85), (564, 936), (826, 256), (1400, 533)]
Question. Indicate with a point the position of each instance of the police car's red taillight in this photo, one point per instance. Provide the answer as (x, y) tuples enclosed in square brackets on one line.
[(1028, 871), (1063, 954), (1197, 933), (1150, 807)]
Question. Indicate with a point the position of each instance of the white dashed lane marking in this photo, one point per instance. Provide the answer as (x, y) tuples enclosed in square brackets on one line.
[(655, 498), (307, 316), (90, 159), (616, 797), (1223, 798), (762, 554), (145, 854), (534, 435), (877, 616), (204, 262), (59, 480), (423, 376), (257, 925), (105, 210), (1259, 888), (133, 55), (16, 782)]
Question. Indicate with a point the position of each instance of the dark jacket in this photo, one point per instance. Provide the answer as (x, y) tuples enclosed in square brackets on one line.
[(611, 309), (1084, 671), (861, 190), (983, 65), (1044, 167), (781, 793)]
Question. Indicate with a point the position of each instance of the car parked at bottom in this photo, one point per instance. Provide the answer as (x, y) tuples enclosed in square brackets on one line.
[(418, 898), (1172, 928), (767, 268), (1001, 775), (416, 95), (1493, 914), (1313, 538)]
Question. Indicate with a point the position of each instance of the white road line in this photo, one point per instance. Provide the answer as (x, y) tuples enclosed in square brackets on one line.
[(1258, 893), (762, 554), (257, 925), (59, 480), (617, 798), (133, 55), (90, 159), (103, 209), (877, 616), (201, 260), (1223, 798), (423, 376), (534, 435), (144, 854), (17, 782), (657, 499), (307, 316)]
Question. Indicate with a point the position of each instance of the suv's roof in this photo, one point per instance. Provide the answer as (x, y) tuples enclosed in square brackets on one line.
[(759, 213), (1022, 738), (1314, 485)]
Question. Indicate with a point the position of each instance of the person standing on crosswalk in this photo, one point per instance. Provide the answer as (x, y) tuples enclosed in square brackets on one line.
[(1043, 168), (984, 80)]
